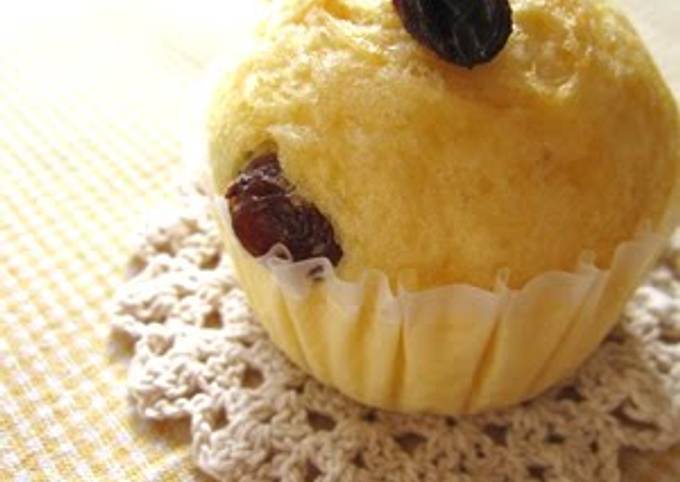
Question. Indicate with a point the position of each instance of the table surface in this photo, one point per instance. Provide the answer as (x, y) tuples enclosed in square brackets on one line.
[(91, 116)]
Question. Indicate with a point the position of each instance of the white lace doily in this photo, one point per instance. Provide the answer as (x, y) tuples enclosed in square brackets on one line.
[(255, 417)]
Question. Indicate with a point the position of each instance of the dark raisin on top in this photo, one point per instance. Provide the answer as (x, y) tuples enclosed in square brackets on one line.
[(265, 210), (465, 32)]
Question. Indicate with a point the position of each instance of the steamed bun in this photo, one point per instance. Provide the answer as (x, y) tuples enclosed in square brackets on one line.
[(567, 141)]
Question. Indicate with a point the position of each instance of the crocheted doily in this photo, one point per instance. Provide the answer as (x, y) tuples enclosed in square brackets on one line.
[(199, 353)]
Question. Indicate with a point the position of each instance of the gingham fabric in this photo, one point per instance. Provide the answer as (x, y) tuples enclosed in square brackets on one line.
[(91, 116)]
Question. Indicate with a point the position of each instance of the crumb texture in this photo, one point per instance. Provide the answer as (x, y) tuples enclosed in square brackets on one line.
[(567, 141)]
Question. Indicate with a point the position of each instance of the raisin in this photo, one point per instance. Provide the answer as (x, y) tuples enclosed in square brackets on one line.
[(266, 210), (465, 32)]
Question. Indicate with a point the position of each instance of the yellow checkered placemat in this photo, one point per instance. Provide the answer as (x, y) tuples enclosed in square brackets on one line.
[(91, 115), (89, 111)]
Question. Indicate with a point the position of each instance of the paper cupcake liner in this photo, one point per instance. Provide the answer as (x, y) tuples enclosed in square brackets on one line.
[(452, 349)]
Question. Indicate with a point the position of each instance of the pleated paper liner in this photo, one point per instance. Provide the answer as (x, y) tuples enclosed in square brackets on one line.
[(452, 349)]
